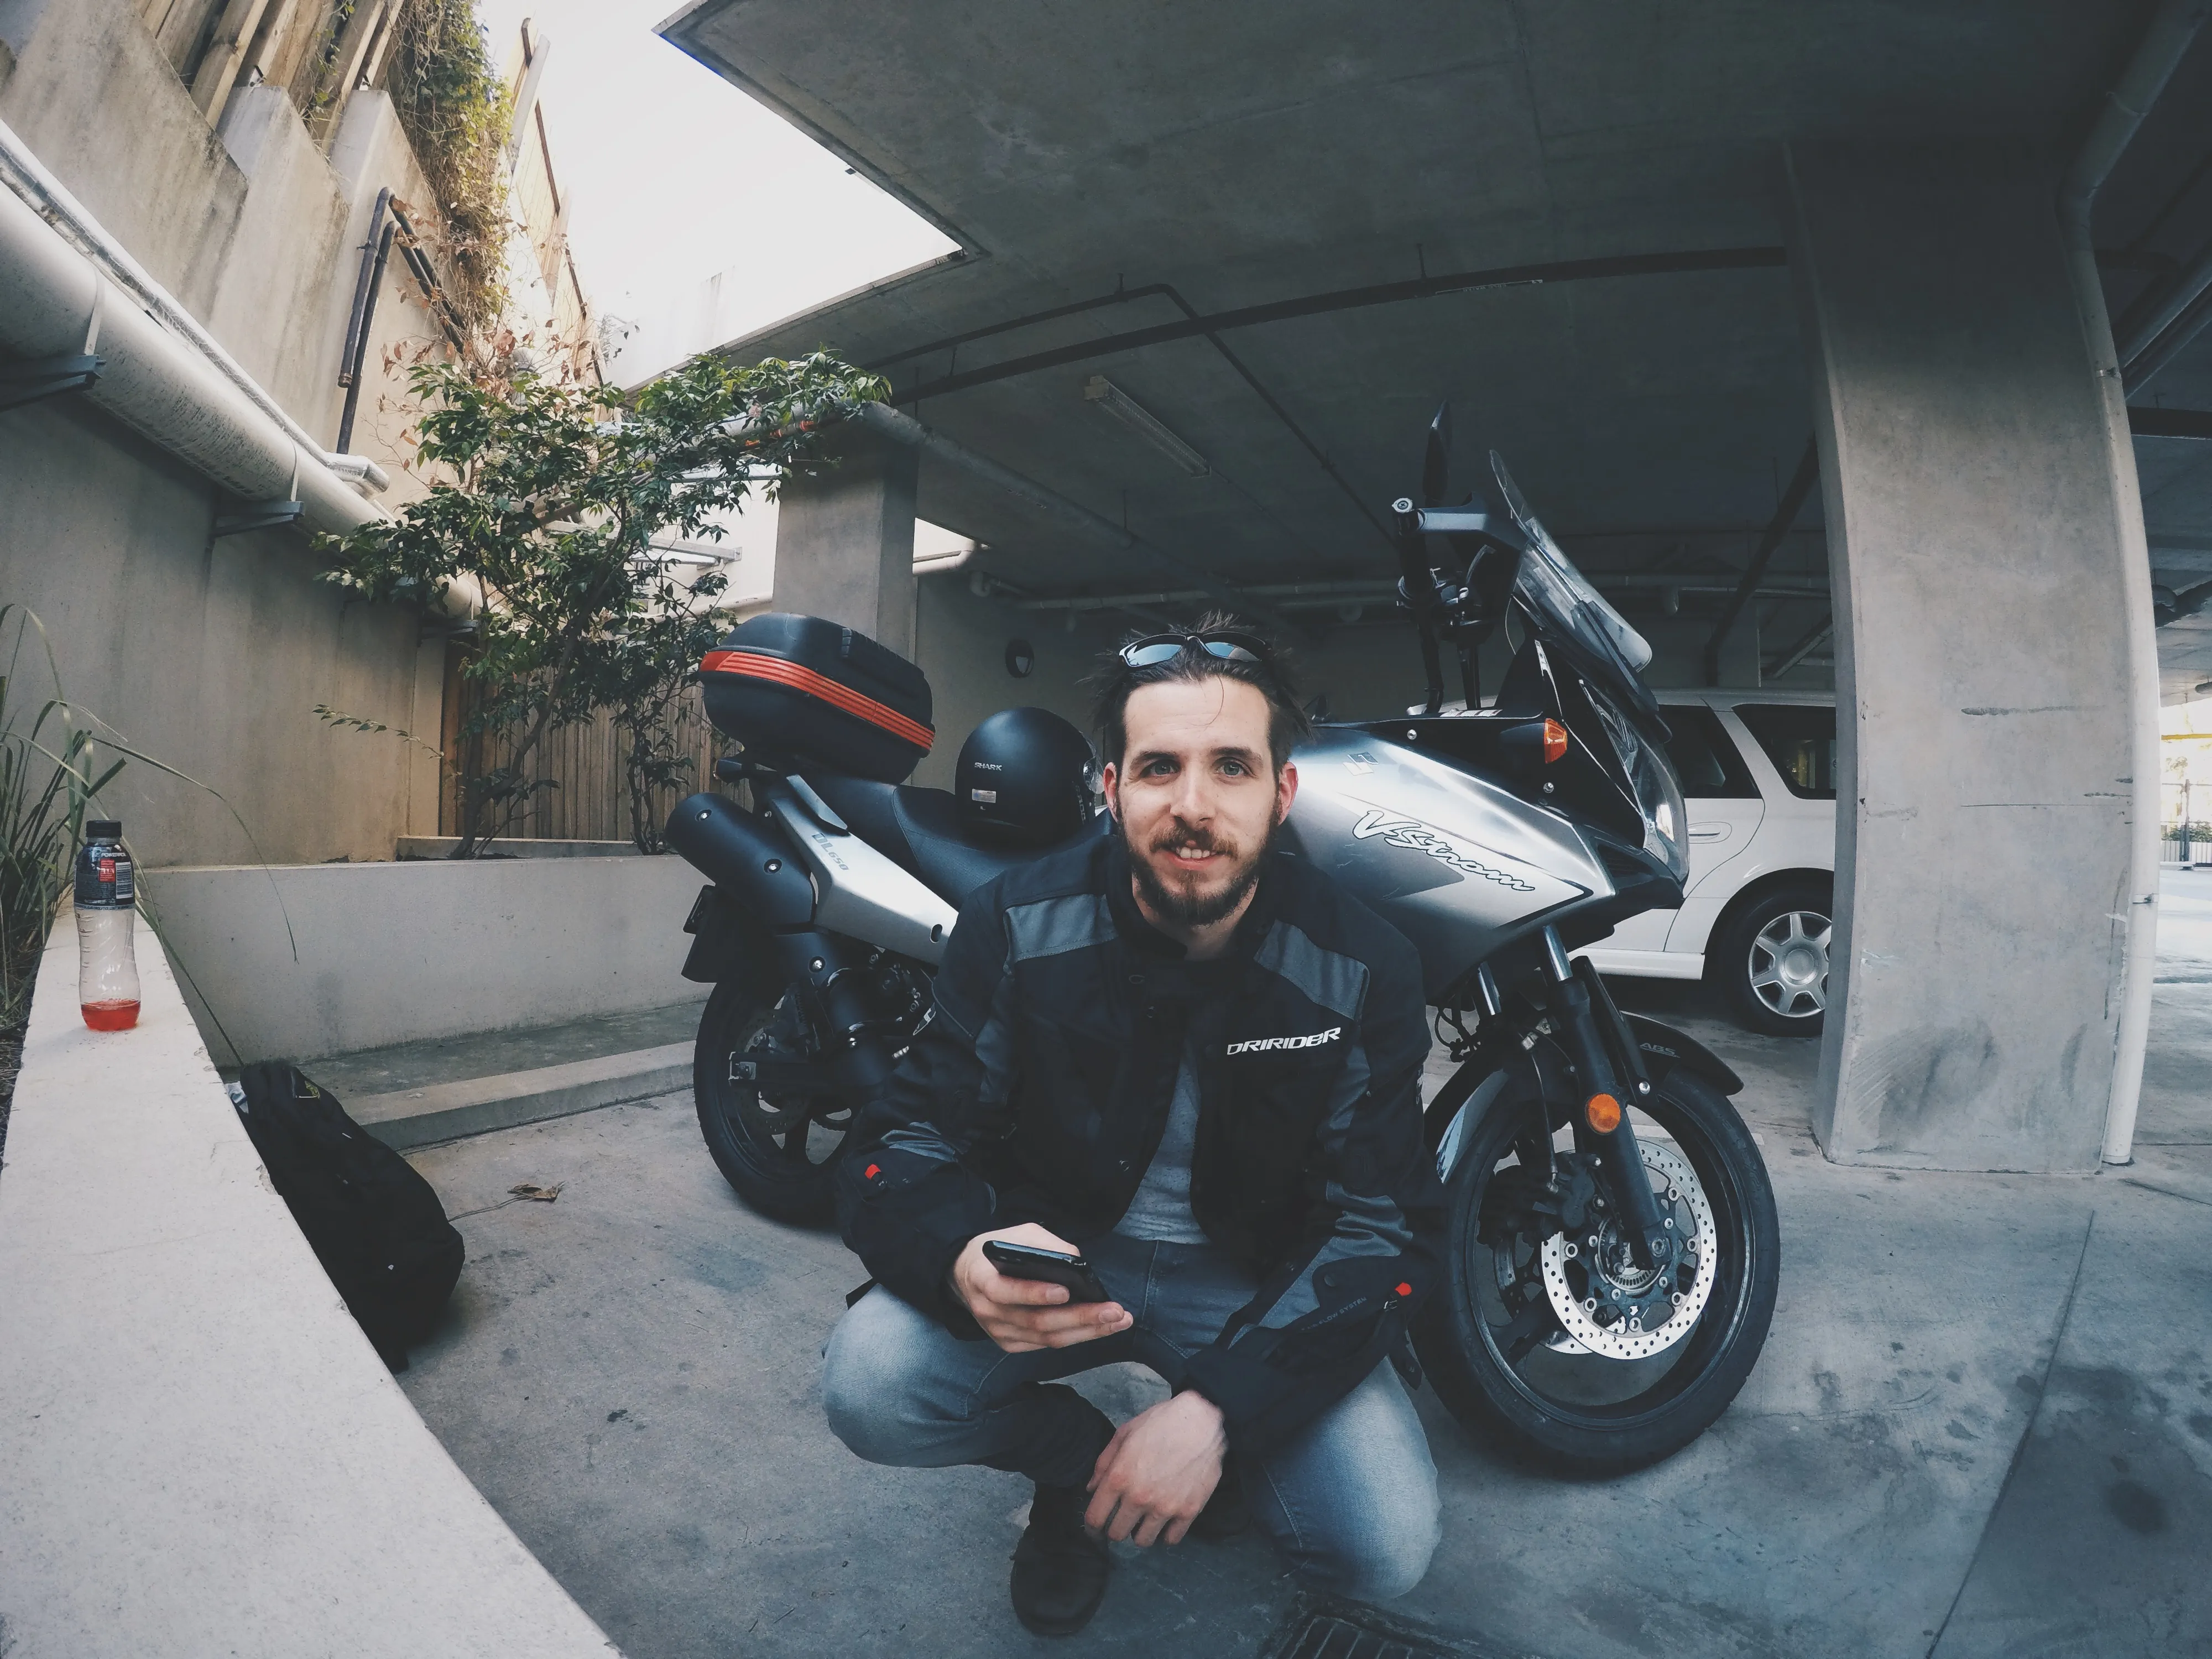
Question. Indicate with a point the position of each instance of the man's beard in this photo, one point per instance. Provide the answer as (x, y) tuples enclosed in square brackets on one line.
[(1189, 909)]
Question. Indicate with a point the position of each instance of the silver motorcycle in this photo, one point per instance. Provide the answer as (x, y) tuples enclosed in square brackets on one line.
[(1612, 1241)]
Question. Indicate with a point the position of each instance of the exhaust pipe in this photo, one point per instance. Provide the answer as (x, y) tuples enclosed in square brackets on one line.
[(748, 857)]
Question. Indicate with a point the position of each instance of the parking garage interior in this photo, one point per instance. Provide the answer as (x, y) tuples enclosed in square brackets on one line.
[(1778, 317), (1856, 352)]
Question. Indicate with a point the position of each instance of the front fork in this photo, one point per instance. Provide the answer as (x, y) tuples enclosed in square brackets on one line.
[(1610, 1069)]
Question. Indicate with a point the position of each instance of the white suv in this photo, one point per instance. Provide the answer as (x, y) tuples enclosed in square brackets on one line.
[(1759, 772)]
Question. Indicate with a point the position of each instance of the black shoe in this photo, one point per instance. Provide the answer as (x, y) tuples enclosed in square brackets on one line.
[(1060, 1569), (1225, 1514)]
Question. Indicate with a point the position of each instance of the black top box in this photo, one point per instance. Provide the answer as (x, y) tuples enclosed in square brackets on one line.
[(801, 691)]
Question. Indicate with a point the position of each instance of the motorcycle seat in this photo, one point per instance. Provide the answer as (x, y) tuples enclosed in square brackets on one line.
[(920, 830)]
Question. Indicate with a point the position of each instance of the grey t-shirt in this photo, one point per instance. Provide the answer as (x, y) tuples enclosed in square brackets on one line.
[(1161, 1210)]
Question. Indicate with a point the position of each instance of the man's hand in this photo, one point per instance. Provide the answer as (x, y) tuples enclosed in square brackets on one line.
[(1022, 1315), (1156, 1474)]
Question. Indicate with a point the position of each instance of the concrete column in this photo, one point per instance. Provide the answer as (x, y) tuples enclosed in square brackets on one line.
[(844, 542), (1976, 534)]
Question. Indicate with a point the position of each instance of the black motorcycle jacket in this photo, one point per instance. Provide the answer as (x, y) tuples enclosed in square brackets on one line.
[(1041, 1088)]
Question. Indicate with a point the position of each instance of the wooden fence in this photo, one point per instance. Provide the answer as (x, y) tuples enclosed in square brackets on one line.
[(590, 797)]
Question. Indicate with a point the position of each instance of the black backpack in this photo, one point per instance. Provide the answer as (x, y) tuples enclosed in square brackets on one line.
[(375, 1224)]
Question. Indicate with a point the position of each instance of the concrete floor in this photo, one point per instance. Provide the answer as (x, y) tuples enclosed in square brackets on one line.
[(1982, 1425)]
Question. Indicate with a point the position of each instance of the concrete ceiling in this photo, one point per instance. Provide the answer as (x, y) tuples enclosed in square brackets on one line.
[(1241, 155)]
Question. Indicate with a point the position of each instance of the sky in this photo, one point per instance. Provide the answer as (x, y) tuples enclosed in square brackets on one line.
[(673, 174)]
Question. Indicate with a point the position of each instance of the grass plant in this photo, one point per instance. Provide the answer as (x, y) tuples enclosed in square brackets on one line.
[(55, 759), (51, 772)]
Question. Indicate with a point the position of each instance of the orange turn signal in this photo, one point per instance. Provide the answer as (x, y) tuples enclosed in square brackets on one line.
[(1555, 742), (1603, 1113)]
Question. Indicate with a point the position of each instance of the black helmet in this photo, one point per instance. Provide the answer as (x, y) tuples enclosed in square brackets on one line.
[(1024, 777)]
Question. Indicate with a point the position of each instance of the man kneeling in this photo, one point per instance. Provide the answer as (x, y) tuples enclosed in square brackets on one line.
[(1195, 1061)]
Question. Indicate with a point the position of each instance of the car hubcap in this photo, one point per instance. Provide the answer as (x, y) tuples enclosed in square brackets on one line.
[(1789, 964)]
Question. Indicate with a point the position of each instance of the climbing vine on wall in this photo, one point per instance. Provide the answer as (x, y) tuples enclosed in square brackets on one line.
[(456, 112)]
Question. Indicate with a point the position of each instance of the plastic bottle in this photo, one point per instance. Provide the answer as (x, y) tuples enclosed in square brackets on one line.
[(107, 918)]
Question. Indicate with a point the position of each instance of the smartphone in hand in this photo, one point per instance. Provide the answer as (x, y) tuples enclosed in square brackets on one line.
[(1052, 1267)]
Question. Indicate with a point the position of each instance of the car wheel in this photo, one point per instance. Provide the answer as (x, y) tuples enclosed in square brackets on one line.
[(1769, 960)]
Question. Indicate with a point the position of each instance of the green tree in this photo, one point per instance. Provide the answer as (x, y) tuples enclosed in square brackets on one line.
[(645, 678), (553, 498)]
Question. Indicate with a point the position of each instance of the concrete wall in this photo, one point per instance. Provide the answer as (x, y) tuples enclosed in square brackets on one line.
[(961, 644), (207, 654), (211, 655), (1366, 673), (206, 1456), (1982, 846), (845, 541), (395, 952)]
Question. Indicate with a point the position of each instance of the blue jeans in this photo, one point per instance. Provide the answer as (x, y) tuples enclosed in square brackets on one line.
[(1350, 1499)]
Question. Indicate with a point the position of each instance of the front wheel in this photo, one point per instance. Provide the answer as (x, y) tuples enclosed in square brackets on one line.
[(777, 1148), (1549, 1336)]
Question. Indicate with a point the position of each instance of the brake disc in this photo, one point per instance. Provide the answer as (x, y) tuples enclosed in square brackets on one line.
[(1608, 1307)]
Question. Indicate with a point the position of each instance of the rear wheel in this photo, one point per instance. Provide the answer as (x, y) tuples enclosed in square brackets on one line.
[(777, 1148), (1769, 960), (1549, 1337)]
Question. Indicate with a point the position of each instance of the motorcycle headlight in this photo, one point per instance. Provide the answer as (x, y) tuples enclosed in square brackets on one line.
[(1666, 826), (1658, 793)]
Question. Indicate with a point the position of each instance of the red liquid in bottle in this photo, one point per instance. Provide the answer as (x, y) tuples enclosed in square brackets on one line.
[(107, 918)]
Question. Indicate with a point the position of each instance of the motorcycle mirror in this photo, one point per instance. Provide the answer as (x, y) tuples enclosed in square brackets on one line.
[(1436, 462)]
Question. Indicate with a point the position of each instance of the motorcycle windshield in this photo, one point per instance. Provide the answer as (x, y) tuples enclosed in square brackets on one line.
[(1563, 602)]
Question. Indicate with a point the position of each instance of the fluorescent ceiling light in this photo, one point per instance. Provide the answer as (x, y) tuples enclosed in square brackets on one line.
[(1126, 410)]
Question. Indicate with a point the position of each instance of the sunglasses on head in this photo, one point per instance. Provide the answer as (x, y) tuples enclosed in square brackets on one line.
[(1228, 645)]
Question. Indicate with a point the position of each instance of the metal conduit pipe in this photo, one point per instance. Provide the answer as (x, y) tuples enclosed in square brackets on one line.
[(1350, 299), (1303, 595), (1174, 296), (889, 423), (64, 219), (1802, 650), (2172, 28), (985, 585), (2187, 288), (2139, 370), (1785, 514)]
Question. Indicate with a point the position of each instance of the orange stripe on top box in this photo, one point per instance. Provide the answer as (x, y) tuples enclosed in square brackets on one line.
[(807, 693)]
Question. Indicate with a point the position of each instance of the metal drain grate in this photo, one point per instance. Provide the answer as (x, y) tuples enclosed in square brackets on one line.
[(1317, 1629)]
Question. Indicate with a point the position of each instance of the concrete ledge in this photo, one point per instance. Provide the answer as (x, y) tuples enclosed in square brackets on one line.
[(199, 1452), (441, 847), (391, 953), (445, 1111)]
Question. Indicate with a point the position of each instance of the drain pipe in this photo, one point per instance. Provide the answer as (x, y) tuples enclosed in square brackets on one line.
[(56, 303), (69, 222), (2173, 26), (364, 320)]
